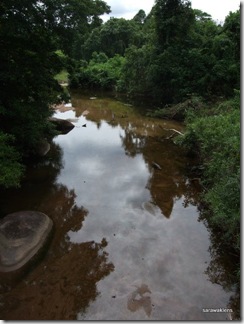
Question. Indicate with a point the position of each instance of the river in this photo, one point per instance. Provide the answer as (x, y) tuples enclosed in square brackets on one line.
[(128, 241)]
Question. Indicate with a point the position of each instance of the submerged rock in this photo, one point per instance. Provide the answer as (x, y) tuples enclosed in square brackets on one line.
[(22, 236), (62, 125)]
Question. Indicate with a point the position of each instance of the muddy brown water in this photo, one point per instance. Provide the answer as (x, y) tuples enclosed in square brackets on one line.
[(128, 243)]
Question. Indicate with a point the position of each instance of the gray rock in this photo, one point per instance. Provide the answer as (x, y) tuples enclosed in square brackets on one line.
[(62, 125), (22, 236)]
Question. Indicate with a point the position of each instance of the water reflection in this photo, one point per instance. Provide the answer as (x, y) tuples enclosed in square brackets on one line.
[(64, 283), (166, 182), (144, 140), (39, 182), (60, 288), (127, 243), (222, 268), (140, 298)]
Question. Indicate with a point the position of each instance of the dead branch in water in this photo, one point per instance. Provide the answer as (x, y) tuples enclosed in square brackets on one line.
[(174, 130)]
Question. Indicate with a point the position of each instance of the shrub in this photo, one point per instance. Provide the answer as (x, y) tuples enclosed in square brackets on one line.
[(101, 72), (216, 139), (10, 166)]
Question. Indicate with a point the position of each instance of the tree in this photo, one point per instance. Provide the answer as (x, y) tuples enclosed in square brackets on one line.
[(135, 72), (31, 32), (100, 73), (140, 17), (232, 29), (113, 37), (173, 19)]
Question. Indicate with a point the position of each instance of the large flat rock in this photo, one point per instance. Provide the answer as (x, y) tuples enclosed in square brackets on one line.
[(22, 235)]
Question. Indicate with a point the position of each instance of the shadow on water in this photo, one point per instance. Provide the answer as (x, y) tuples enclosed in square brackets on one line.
[(222, 268), (128, 243), (64, 282)]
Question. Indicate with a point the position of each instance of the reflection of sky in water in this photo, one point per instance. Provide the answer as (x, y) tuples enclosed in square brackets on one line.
[(137, 250), (98, 169), (147, 250)]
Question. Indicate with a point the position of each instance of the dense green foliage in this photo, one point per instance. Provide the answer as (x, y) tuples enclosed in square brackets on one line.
[(101, 72), (171, 54), (11, 169), (173, 20), (113, 38), (216, 137), (31, 32)]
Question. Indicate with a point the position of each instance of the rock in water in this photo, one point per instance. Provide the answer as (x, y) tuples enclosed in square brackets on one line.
[(22, 235), (62, 125)]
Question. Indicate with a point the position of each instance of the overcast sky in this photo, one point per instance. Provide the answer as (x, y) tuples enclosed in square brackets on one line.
[(127, 9)]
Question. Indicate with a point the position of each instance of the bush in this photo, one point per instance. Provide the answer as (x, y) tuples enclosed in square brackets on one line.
[(10, 166), (100, 72), (217, 139)]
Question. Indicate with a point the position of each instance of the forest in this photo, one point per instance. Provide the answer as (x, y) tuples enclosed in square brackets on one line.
[(184, 63)]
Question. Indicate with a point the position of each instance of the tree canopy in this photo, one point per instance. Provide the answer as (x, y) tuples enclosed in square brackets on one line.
[(170, 54), (31, 32)]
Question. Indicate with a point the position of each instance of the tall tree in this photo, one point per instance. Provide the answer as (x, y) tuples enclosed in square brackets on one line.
[(173, 19), (140, 17), (31, 31), (113, 37)]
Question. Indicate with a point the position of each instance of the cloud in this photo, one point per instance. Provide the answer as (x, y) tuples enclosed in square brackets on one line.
[(127, 9), (218, 9)]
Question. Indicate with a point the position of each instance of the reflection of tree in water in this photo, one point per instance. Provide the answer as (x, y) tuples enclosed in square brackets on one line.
[(166, 163), (37, 183), (222, 268), (132, 143), (166, 185), (169, 183), (64, 282), (59, 289)]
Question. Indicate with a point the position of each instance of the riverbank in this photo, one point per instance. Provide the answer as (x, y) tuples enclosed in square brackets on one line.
[(214, 136)]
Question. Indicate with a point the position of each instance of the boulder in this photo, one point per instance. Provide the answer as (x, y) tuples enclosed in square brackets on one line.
[(62, 125), (22, 235)]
